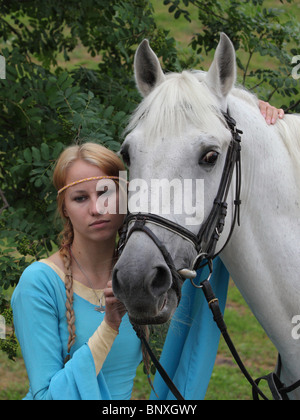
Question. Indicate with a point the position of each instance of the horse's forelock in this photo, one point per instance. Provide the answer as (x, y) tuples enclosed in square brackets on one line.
[(180, 100)]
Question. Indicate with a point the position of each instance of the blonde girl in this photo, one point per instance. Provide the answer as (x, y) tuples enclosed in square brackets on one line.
[(75, 336)]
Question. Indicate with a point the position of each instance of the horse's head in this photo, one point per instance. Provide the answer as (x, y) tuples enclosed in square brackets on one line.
[(175, 150)]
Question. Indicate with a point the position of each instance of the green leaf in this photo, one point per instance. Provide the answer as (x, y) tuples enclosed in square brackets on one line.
[(36, 154), (45, 151), (108, 112), (62, 78), (27, 155)]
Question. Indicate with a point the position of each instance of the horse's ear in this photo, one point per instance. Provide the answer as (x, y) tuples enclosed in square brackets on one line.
[(148, 71), (221, 76)]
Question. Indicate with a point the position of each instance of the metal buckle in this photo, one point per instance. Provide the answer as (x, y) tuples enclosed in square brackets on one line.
[(211, 269)]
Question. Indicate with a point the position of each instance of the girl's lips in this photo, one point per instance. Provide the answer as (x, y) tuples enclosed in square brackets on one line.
[(99, 223)]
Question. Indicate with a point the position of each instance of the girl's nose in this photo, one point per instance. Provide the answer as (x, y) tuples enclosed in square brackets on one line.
[(94, 208)]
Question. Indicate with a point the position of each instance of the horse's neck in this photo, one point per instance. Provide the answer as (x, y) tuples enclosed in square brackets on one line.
[(270, 193), (263, 254)]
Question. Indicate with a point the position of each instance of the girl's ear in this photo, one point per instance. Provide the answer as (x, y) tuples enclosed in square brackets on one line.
[(65, 212)]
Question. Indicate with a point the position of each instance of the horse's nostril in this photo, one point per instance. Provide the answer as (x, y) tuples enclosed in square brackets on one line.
[(161, 282), (116, 283)]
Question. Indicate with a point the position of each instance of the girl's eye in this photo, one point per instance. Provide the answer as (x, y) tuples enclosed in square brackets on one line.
[(210, 158), (80, 199)]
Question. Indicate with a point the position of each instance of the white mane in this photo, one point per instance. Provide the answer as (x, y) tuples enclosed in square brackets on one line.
[(288, 129), (179, 100)]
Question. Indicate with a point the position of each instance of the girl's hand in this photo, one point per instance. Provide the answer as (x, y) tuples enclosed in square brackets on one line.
[(270, 113), (114, 309)]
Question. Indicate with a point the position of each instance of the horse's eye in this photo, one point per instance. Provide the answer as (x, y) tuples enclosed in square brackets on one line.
[(210, 158), (125, 155)]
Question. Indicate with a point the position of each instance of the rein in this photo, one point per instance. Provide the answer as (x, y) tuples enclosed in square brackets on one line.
[(209, 234)]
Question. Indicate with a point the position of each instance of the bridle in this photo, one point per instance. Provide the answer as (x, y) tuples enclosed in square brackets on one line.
[(210, 230), (205, 243)]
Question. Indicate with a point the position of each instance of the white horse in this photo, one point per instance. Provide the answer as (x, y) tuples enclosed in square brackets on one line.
[(178, 132)]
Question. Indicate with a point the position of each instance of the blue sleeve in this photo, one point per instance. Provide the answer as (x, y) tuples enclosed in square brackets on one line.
[(36, 323)]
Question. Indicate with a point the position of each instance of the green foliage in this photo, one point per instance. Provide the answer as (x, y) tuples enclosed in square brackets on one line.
[(255, 30), (9, 344), (44, 107)]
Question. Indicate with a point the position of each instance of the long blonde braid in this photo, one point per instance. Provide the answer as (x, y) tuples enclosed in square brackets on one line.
[(67, 240)]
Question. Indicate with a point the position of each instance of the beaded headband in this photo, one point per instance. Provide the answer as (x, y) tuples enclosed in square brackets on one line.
[(93, 178)]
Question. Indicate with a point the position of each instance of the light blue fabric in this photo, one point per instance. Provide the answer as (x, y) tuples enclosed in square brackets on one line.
[(39, 317), (193, 338)]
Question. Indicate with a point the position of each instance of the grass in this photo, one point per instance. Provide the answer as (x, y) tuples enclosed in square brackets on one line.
[(13, 378), (183, 31), (256, 350)]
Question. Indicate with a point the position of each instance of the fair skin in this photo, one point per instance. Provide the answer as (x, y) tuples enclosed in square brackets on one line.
[(270, 113), (94, 236)]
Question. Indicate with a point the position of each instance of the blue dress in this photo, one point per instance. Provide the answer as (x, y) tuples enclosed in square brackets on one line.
[(41, 328), (39, 310)]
